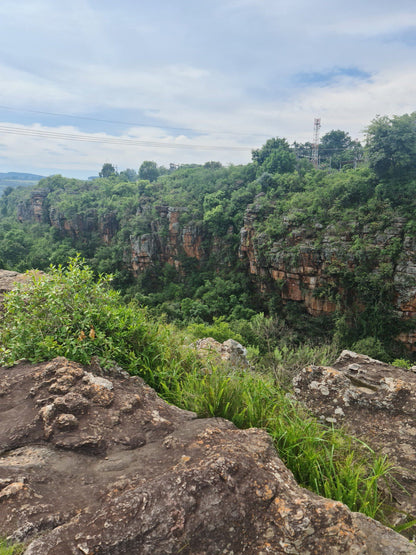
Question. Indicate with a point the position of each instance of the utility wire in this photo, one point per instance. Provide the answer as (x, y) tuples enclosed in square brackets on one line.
[(140, 124), (119, 141)]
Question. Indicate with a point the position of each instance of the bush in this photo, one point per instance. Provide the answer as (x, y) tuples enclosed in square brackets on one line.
[(66, 313), (219, 330), (371, 347)]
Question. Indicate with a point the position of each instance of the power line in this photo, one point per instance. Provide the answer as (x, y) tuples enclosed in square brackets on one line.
[(140, 124), (119, 141)]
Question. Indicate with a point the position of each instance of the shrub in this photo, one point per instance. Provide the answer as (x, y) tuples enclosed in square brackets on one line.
[(372, 347), (66, 313)]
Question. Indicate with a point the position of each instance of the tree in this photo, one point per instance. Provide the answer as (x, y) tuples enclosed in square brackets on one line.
[(275, 156), (337, 150), (391, 146), (149, 170), (129, 174), (107, 170)]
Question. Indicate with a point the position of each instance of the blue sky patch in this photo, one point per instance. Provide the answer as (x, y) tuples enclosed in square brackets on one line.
[(328, 77)]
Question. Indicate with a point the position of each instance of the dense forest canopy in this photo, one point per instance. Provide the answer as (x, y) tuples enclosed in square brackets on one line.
[(349, 206)]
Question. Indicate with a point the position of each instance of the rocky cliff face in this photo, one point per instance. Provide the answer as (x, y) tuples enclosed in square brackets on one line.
[(168, 242), (305, 264), (93, 463), (37, 209)]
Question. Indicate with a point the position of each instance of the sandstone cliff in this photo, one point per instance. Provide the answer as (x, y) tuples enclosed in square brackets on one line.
[(307, 263), (311, 263)]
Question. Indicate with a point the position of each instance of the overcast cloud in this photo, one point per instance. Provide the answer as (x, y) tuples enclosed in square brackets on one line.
[(159, 80)]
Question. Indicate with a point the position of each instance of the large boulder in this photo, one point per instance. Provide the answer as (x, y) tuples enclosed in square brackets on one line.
[(375, 402), (94, 463)]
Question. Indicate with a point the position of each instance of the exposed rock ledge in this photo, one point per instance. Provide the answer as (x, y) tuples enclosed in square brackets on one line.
[(94, 464), (373, 401)]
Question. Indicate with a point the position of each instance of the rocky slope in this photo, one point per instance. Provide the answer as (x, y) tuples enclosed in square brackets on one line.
[(375, 402), (99, 464)]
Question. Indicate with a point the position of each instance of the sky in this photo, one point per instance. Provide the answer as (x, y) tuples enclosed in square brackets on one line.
[(87, 82)]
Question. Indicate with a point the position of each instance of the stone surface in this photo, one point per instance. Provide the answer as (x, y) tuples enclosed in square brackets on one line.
[(309, 276), (375, 402), (230, 351), (7, 280), (140, 477), (168, 241)]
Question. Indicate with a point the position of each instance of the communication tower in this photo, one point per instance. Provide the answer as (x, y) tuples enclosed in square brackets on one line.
[(315, 144)]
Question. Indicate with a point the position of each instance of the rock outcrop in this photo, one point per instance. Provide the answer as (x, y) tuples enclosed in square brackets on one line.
[(99, 464), (168, 242), (7, 280), (230, 351), (375, 402), (306, 264)]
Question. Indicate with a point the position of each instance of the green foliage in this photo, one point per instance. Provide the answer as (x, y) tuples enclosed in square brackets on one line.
[(372, 347), (275, 156), (107, 170), (149, 170), (391, 145), (337, 150), (402, 363), (10, 548), (66, 313)]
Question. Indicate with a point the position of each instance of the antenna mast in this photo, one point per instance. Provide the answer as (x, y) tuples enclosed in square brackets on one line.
[(315, 144)]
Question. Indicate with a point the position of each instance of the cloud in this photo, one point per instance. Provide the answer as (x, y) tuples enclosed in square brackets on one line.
[(224, 72)]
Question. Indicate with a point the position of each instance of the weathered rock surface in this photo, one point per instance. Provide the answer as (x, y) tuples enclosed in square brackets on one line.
[(99, 464), (7, 280), (168, 241), (373, 401), (306, 259), (230, 351)]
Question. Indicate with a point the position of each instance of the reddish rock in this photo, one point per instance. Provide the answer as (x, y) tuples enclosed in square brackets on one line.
[(142, 477)]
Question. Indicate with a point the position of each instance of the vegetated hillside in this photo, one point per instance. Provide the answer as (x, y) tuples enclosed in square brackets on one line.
[(14, 179), (67, 313), (326, 252)]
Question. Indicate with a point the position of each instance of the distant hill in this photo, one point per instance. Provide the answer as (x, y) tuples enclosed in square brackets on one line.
[(14, 179)]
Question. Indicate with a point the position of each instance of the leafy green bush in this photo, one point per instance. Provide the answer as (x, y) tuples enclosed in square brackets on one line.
[(219, 330), (371, 347), (66, 313), (402, 363)]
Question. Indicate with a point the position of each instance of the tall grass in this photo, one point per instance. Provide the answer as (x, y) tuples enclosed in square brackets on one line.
[(68, 314), (324, 460), (8, 548)]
